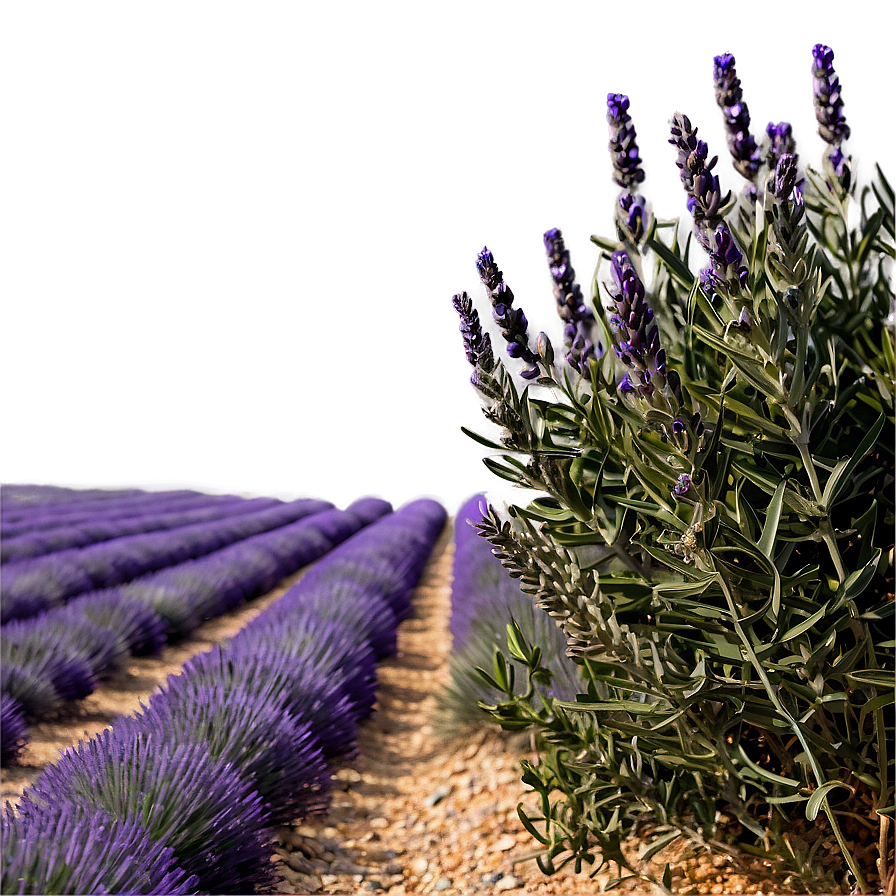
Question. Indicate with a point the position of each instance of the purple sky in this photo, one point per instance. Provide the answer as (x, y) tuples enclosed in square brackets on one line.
[(231, 233)]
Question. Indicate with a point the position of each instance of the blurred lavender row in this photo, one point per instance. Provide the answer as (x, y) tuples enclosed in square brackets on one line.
[(25, 496), (100, 527), (484, 599), (31, 586), (61, 654), (193, 785), (18, 519)]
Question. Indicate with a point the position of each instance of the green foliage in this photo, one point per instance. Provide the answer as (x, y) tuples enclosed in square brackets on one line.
[(736, 635)]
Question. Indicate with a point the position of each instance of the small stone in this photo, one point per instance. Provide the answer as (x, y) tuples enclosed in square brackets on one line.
[(426, 878), (509, 882), (329, 879), (505, 843), (437, 795), (393, 868), (418, 865), (372, 884), (378, 822), (344, 866), (443, 883), (298, 862)]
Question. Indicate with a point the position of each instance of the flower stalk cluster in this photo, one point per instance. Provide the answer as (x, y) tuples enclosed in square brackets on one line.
[(705, 200), (513, 323), (729, 96), (477, 344), (832, 126), (574, 311)]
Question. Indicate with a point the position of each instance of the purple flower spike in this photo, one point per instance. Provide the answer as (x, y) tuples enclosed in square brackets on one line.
[(638, 339), (783, 178), (623, 143), (729, 96), (832, 125), (513, 323), (683, 486), (477, 344), (727, 273), (571, 306), (631, 210), (626, 386), (705, 198), (780, 141)]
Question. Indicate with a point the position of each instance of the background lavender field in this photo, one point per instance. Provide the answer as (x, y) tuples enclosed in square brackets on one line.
[(231, 233)]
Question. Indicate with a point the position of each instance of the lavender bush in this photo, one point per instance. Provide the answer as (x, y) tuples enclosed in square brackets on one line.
[(713, 525)]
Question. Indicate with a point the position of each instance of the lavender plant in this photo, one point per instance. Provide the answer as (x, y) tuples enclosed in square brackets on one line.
[(713, 520)]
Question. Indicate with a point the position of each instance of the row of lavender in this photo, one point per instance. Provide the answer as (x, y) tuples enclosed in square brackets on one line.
[(99, 525), (484, 599), (34, 585), (61, 654), (15, 498), (182, 798), (18, 517)]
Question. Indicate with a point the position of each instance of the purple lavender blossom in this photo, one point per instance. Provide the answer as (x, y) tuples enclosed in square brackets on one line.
[(729, 96), (782, 181), (626, 386), (727, 273), (682, 487), (832, 126), (477, 344), (780, 140), (623, 143), (631, 210), (705, 198), (513, 323), (574, 312), (638, 338)]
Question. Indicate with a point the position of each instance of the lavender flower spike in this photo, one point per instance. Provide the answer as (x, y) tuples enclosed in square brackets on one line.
[(832, 126), (573, 310), (477, 344), (705, 198), (513, 323), (729, 96), (638, 342), (623, 143), (727, 273), (780, 140)]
